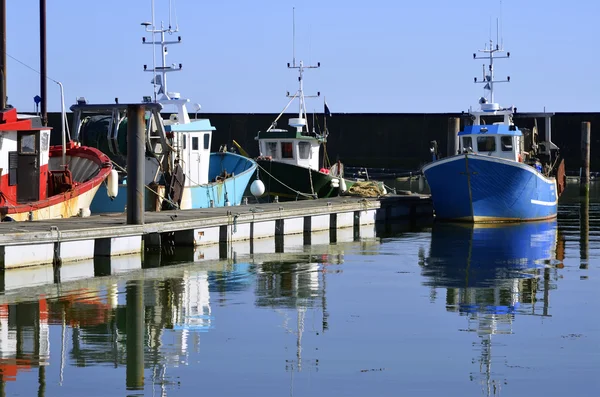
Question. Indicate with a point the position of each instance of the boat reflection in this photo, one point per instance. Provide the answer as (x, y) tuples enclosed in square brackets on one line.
[(148, 324), (492, 273)]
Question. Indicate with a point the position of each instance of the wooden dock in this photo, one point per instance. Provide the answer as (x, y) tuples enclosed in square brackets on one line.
[(59, 241)]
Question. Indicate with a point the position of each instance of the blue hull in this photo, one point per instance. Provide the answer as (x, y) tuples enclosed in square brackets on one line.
[(478, 188), (232, 188)]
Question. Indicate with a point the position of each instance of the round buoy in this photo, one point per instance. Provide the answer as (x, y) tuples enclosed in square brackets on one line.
[(257, 188), (112, 184), (343, 185)]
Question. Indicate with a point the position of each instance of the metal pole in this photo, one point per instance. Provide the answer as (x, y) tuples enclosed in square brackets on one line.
[(135, 164), (43, 85), (584, 183), (453, 130), (135, 336), (2, 55)]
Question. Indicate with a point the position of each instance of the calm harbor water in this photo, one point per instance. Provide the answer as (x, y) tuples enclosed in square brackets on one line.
[(419, 310)]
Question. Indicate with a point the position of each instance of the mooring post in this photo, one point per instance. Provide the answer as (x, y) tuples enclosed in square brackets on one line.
[(453, 130), (135, 164), (584, 182), (135, 322)]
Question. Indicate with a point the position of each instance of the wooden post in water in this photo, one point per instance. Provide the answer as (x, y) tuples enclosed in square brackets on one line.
[(135, 335), (135, 164), (453, 130), (584, 182)]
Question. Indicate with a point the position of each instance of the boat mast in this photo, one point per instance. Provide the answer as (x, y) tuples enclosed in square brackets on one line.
[(300, 67), (43, 83), (488, 77), (163, 69), (2, 55)]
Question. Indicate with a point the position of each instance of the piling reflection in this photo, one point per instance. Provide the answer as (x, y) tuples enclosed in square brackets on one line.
[(491, 274), (584, 230)]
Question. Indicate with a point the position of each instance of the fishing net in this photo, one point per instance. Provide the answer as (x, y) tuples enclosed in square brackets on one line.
[(366, 189)]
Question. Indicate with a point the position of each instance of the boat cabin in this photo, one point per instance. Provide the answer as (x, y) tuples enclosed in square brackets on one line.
[(193, 141), (497, 140), (24, 153), (291, 147)]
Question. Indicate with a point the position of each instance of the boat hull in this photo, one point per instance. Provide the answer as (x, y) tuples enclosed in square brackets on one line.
[(288, 181), (478, 188), (83, 161), (200, 196)]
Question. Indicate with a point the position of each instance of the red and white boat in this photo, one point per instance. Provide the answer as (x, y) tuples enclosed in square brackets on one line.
[(39, 181)]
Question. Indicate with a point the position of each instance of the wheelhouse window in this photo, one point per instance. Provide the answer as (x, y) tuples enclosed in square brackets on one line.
[(194, 143), (467, 142), (486, 144), (271, 149), (506, 142), (27, 144), (206, 141), (184, 141), (287, 151), (304, 150)]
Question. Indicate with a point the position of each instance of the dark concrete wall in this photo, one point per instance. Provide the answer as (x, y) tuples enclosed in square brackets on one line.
[(389, 140)]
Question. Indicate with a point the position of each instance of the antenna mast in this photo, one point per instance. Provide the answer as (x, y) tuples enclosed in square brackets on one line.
[(163, 69), (294, 36), (488, 78), (300, 93)]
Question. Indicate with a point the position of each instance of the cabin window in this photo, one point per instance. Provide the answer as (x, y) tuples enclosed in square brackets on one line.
[(184, 142), (272, 149), (287, 150), (506, 143), (27, 144), (45, 141), (486, 144), (194, 143), (304, 150), (206, 141), (467, 143)]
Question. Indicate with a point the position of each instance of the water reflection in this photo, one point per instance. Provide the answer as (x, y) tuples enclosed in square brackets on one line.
[(492, 273), (152, 323)]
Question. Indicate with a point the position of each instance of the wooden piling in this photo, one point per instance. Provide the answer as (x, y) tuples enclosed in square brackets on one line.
[(584, 184), (135, 164), (453, 130)]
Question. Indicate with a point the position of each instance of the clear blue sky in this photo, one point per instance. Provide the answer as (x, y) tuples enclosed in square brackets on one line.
[(376, 56)]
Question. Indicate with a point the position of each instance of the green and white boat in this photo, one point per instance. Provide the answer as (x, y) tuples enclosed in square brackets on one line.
[(289, 163)]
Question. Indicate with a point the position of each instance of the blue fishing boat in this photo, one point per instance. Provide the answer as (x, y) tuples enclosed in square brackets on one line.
[(180, 170), (499, 174)]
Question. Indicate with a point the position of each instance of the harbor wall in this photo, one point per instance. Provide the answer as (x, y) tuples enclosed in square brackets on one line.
[(387, 140)]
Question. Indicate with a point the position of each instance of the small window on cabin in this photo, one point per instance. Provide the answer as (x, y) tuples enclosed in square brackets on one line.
[(304, 150), (287, 150), (486, 144), (272, 149), (184, 141), (206, 141), (506, 143), (194, 143), (467, 143), (27, 144)]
